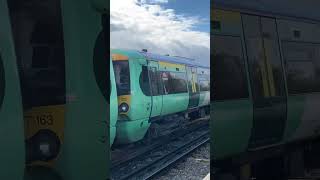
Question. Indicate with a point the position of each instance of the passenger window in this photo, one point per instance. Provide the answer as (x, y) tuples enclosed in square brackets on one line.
[(227, 69), (303, 67), (204, 82), (174, 82)]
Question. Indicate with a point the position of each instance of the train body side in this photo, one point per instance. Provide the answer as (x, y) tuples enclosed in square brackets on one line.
[(11, 113), (113, 105), (269, 100)]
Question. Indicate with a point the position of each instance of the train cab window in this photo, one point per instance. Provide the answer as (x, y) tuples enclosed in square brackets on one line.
[(40, 57), (39, 44), (227, 69), (122, 76), (303, 67), (174, 82), (144, 81)]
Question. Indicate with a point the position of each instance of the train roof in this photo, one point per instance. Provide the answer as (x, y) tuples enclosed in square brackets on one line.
[(172, 59), (165, 58), (304, 10)]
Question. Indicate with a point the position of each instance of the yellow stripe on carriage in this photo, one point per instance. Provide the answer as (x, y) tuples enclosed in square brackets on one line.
[(119, 57)]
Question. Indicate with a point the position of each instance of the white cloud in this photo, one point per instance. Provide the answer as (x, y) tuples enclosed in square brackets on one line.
[(137, 24), (155, 1)]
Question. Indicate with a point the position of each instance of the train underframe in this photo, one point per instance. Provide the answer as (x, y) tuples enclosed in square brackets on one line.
[(147, 129)]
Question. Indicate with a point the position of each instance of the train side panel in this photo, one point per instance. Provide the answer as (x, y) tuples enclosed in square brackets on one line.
[(231, 126), (86, 129), (11, 116), (231, 107), (113, 105)]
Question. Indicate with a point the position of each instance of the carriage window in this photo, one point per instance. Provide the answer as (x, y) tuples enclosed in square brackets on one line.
[(204, 86), (174, 82), (204, 82), (303, 67), (144, 81), (122, 76), (228, 70)]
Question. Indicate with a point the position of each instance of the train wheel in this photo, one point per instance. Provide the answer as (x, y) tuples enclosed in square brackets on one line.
[(202, 113), (153, 131)]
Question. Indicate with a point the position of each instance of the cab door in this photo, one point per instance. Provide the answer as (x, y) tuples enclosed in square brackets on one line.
[(155, 88), (267, 80)]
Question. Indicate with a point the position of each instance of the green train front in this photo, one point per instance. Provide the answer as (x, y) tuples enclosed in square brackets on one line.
[(55, 52), (266, 82), (113, 104), (150, 87)]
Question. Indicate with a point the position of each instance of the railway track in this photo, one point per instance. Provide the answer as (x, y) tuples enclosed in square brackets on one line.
[(149, 161)]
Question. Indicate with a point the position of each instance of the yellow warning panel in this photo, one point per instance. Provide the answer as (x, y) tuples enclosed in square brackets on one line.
[(173, 66), (124, 100), (45, 118), (119, 57)]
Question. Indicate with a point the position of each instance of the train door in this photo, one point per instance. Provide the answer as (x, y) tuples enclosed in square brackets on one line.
[(267, 80), (193, 86), (155, 88)]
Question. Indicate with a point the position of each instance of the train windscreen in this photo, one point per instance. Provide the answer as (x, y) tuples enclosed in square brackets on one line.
[(122, 76)]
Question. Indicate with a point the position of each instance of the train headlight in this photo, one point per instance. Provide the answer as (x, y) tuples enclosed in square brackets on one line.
[(123, 108), (43, 146)]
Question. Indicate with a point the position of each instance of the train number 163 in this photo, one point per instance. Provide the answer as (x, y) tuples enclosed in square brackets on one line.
[(45, 120)]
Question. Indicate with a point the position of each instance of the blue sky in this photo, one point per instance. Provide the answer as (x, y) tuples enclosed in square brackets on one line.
[(175, 27), (199, 8)]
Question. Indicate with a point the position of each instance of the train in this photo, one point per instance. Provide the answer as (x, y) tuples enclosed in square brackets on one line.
[(151, 87), (265, 92), (52, 56)]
